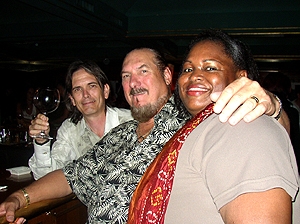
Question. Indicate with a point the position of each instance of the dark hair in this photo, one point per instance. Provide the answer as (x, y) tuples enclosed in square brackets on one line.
[(233, 48), (93, 69), (159, 59), (238, 51)]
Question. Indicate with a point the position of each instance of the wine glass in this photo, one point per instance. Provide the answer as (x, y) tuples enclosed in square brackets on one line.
[(47, 101)]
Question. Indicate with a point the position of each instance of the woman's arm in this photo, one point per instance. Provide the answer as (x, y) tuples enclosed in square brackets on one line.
[(273, 206)]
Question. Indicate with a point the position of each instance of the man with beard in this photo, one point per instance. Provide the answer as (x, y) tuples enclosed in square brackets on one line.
[(105, 178)]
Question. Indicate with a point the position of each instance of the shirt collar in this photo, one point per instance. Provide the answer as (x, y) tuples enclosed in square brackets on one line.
[(169, 110)]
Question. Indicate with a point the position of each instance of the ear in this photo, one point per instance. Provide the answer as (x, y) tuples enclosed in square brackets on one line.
[(72, 99), (242, 73), (168, 76), (106, 90)]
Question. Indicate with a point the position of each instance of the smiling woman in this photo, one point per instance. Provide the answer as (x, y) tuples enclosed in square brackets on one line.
[(211, 172), (204, 75)]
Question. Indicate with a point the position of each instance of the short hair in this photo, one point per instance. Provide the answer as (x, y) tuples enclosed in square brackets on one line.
[(93, 69), (159, 59)]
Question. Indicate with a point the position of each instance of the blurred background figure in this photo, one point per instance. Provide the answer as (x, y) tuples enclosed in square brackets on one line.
[(26, 111), (296, 100), (280, 84)]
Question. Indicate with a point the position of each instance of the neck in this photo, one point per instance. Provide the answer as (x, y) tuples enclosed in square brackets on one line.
[(96, 123), (144, 129)]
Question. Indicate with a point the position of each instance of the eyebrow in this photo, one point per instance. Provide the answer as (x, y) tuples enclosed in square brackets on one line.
[(207, 60), (143, 66), (122, 72), (87, 84), (138, 68)]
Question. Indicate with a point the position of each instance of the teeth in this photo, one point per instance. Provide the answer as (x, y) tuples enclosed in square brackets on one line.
[(140, 93), (197, 89), (89, 102)]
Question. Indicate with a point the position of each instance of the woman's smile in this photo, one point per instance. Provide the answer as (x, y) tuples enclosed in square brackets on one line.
[(196, 90), (207, 69)]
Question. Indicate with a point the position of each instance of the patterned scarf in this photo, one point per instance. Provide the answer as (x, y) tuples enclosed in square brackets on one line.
[(151, 197)]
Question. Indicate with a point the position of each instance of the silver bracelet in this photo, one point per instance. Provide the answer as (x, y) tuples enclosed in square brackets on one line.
[(280, 109)]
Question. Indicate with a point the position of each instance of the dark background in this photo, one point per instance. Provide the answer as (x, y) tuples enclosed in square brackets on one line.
[(39, 39)]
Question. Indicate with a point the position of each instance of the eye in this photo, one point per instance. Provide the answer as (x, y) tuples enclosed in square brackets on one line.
[(93, 85), (125, 75), (187, 70), (76, 89), (144, 71), (211, 68)]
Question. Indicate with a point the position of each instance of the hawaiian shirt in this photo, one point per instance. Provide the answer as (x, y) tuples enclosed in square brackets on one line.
[(105, 178)]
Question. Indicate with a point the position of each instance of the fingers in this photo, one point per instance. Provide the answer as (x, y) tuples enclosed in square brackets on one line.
[(224, 97), (235, 102), (232, 97), (256, 110), (8, 208), (214, 96), (10, 214), (19, 220), (38, 124)]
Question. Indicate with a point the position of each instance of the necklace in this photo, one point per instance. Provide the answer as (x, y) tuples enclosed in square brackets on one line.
[(142, 137)]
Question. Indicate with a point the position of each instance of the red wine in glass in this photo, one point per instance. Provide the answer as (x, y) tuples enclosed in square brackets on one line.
[(47, 101)]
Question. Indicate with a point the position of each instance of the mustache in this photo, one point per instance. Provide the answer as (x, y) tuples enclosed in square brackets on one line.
[(137, 91)]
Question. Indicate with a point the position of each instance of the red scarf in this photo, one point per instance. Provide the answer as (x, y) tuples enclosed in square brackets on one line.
[(151, 197)]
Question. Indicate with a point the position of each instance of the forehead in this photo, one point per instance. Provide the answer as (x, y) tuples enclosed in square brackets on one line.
[(137, 58), (83, 76), (208, 48)]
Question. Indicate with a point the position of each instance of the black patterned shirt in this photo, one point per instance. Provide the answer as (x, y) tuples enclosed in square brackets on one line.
[(105, 178)]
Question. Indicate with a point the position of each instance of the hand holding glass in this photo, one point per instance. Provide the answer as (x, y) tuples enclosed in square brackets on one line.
[(47, 101)]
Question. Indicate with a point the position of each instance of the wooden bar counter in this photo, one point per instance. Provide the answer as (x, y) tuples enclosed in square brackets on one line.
[(61, 211)]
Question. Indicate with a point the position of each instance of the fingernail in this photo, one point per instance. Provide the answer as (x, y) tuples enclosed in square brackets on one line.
[(10, 218), (222, 118), (247, 118), (232, 121), (217, 109)]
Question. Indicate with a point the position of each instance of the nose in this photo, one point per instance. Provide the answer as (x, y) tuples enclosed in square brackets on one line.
[(197, 75), (85, 93), (134, 81)]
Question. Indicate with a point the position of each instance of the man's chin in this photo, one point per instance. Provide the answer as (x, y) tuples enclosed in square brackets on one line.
[(139, 105), (143, 113), (140, 100)]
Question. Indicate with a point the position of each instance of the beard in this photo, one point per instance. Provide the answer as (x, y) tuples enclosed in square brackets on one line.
[(145, 113)]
